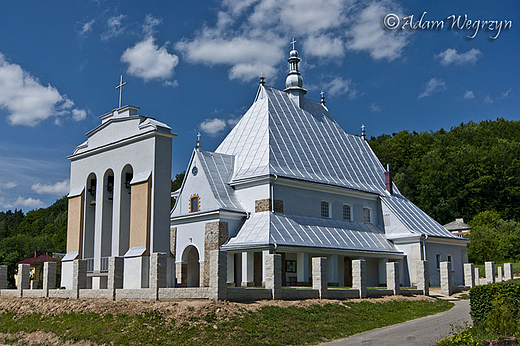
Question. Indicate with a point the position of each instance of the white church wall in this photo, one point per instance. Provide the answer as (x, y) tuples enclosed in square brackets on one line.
[(117, 130), (190, 234), (301, 201), (160, 240), (248, 194), (195, 184)]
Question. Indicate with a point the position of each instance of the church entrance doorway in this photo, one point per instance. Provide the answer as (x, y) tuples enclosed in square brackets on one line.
[(190, 256)]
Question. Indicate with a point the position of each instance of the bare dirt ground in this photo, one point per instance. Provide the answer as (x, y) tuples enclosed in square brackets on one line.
[(179, 311)]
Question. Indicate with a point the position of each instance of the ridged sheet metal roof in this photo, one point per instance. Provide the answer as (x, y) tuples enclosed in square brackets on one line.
[(269, 228), (219, 169), (276, 136), (416, 220)]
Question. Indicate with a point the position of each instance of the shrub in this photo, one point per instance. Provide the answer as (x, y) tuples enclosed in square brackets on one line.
[(501, 319), (482, 298)]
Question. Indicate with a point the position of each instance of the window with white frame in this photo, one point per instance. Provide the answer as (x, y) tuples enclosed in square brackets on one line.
[(347, 212), (438, 261), (326, 210), (450, 263), (367, 215)]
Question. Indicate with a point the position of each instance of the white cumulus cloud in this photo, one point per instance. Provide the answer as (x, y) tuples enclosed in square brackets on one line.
[(432, 86), (60, 188), (468, 95), (451, 56), (20, 202), (26, 100), (339, 86), (147, 60), (367, 33), (8, 185), (213, 126), (252, 37)]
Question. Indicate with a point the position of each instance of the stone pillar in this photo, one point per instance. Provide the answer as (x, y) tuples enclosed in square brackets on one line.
[(392, 277), (508, 271), (158, 266), (215, 234), (115, 273), (248, 267), (423, 277), (3, 277), (273, 274), (181, 272), (469, 275), (499, 276), (446, 288), (79, 276), (23, 278), (218, 274), (477, 276), (320, 275), (302, 268), (49, 277), (490, 272), (359, 277)]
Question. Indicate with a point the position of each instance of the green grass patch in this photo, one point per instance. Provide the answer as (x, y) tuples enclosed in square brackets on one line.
[(270, 325)]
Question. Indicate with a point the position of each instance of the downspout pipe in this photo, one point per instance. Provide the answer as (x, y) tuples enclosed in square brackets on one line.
[(425, 258), (272, 192)]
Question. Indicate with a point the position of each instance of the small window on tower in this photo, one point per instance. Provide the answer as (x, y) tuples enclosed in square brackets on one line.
[(347, 212), (325, 209), (367, 215), (194, 203)]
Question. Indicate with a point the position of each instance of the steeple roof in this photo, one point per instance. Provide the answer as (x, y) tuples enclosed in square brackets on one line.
[(276, 136)]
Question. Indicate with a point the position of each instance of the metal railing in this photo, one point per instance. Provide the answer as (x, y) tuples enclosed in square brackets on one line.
[(104, 264), (90, 265)]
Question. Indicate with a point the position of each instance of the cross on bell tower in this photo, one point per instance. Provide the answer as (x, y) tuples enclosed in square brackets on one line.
[(120, 87)]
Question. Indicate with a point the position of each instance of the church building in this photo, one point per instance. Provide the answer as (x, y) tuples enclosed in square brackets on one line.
[(287, 180)]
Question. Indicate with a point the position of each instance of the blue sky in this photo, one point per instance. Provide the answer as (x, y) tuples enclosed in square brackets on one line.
[(195, 66)]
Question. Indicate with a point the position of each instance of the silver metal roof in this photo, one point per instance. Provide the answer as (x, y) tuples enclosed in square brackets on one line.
[(276, 136), (269, 228), (416, 220), (219, 169)]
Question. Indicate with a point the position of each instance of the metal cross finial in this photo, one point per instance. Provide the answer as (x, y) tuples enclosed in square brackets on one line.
[(198, 137), (363, 134), (321, 93), (293, 42), (120, 87)]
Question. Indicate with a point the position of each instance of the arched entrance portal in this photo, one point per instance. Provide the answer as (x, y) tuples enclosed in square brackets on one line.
[(190, 257)]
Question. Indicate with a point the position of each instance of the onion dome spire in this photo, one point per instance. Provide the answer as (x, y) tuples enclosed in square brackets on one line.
[(294, 80)]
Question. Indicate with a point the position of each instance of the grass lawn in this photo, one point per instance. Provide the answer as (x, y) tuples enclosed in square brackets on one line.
[(516, 268), (270, 325)]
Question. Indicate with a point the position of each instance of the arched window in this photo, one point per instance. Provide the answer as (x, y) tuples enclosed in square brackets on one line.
[(367, 215), (347, 212), (194, 203), (326, 210)]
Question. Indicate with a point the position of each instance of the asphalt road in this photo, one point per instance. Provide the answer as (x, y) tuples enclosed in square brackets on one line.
[(422, 331)]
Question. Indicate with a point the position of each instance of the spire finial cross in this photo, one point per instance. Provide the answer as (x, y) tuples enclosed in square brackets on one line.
[(120, 87), (293, 42), (198, 137), (322, 93)]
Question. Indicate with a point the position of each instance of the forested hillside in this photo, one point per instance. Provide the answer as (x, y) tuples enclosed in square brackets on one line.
[(43, 230), (472, 168)]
